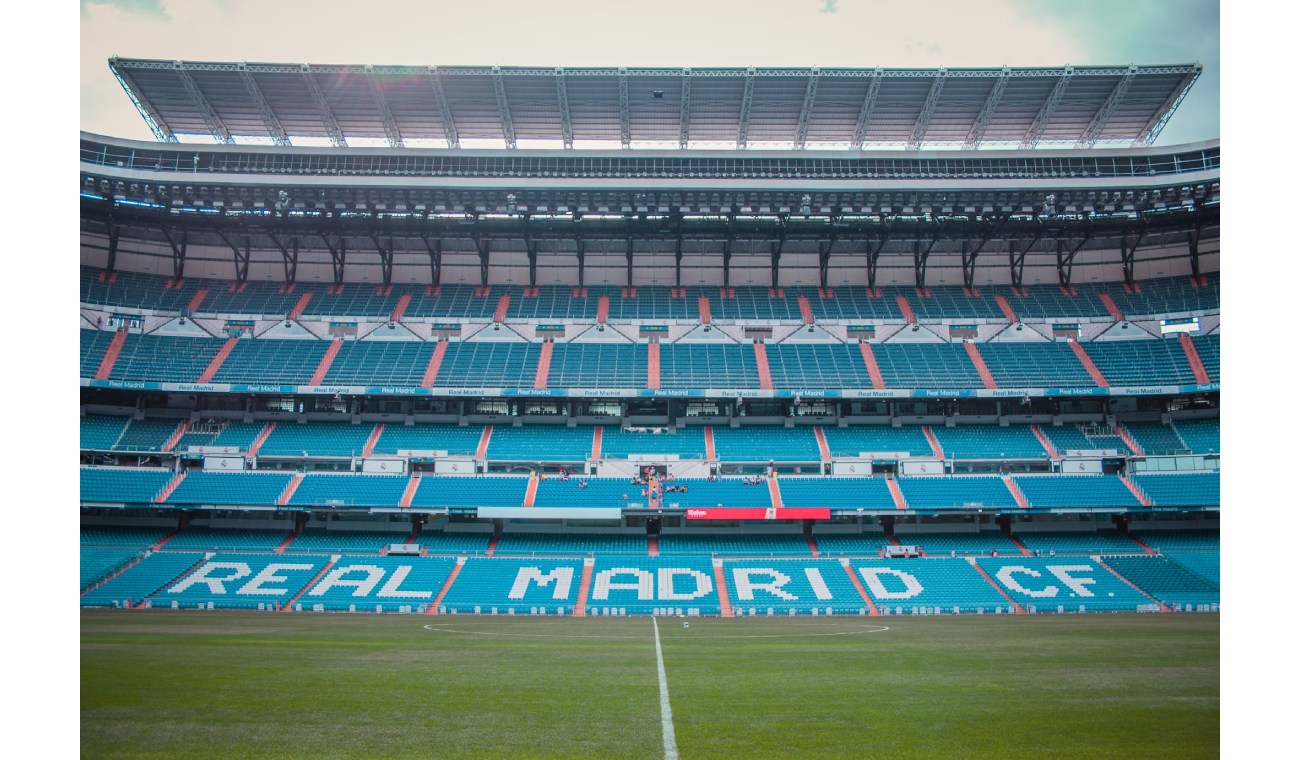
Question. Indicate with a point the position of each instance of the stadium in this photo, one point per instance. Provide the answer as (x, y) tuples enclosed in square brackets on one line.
[(861, 380)]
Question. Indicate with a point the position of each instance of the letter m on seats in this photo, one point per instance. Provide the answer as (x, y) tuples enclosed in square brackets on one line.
[(562, 577)]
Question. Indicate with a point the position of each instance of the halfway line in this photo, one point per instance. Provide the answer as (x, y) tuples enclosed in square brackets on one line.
[(665, 709)]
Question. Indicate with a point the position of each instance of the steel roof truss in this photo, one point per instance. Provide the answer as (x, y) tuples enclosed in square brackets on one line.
[(215, 125), (323, 109), (1039, 126), (927, 111), (976, 133), (805, 112), (503, 110), (1100, 119), (444, 109), (272, 122)]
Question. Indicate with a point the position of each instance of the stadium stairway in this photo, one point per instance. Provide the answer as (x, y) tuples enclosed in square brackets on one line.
[(446, 586), (530, 495), (412, 486), (764, 369), (171, 486), (1194, 358), (480, 453), (812, 544), (934, 442), (399, 310), (720, 581), (260, 439), (143, 601), (435, 361), (908, 315), (287, 493), (1047, 444), (315, 579), (325, 361), (705, 316), (823, 448), (652, 546), (774, 490), (602, 310), (584, 587), (897, 493), (1089, 365), (1005, 306), (984, 573), (176, 436), (873, 367), (1142, 544), (369, 448), (872, 610), (218, 360), (1163, 607), (1024, 550), (597, 438), (652, 366), (805, 308), (1111, 307), (289, 538), (1019, 495), (974, 353), (543, 364), (297, 309), (1129, 440), (110, 355), (1137, 492)]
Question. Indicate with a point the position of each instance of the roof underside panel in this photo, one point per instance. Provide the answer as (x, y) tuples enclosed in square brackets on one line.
[(664, 106)]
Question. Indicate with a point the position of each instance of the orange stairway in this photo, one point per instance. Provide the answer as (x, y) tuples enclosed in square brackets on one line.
[(710, 451), (774, 491), (652, 367), (602, 309), (503, 304), (906, 308), (287, 493), (705, 316), (530, 494), (934, 442), (764, 370), (1005, 306), (1128, 439), (822, 447), (805, 309), (169, 488), (318, 376), (1089, 365), (543, 364), (873, 368), (446, 586), (857, 584), (1138, 493), (435, 361), (720, 580), (369, 448), (1045, 442), (302, 304), (218, 360), (1194, 359), (480, 453), (260, 439), (1111, 308), (176, 436), (1019, 495), (896, 493), (408, 495), (399, 311), (974, 353), (597, 436), (110, 355), (197, 300), (1018, 609), (584, 587)]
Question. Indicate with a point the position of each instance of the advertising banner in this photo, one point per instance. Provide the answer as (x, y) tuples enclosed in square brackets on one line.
[(759, 513)]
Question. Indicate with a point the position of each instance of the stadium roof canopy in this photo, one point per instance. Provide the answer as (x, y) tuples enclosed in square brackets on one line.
[(708, 107)]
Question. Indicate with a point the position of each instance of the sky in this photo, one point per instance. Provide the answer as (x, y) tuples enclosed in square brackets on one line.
[(677, 33)]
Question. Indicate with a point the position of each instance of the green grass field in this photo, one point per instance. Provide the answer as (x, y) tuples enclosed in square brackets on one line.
[(165, 684)]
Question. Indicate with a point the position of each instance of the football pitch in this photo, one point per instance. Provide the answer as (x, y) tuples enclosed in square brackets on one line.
[(168, 684)]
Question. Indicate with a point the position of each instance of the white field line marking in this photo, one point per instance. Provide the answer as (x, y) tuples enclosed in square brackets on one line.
[(858, 630), (670, 736)]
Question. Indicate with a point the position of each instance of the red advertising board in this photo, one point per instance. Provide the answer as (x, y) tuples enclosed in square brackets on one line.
[(759, 513)]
